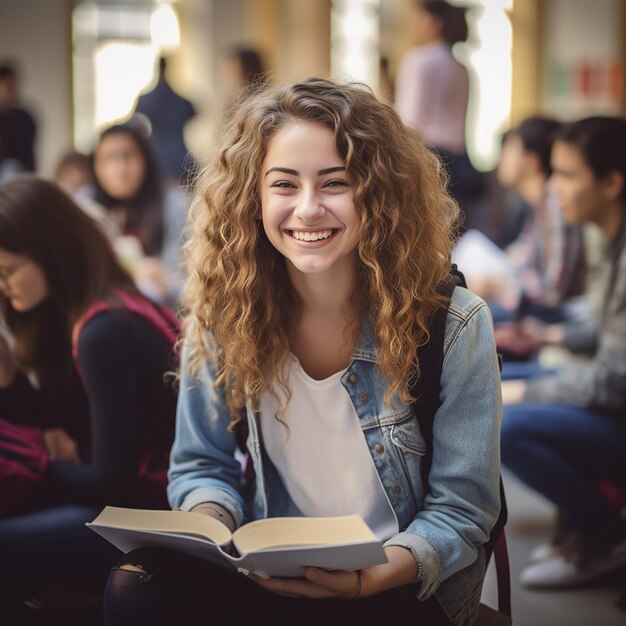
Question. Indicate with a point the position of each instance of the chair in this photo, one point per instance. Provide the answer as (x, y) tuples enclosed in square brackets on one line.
[(502, 617)]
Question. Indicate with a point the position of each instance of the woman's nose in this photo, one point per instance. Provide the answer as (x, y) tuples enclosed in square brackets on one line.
[(309, 205)]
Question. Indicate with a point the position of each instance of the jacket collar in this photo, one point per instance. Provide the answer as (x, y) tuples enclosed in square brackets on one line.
[(366, 347)]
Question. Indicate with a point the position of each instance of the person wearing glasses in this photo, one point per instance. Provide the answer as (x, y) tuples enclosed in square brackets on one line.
[(83, 356)]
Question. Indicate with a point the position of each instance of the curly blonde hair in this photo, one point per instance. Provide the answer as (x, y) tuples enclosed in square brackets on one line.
[(238, 295)]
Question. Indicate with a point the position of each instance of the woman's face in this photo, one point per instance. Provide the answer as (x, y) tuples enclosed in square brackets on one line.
[(231, 72), (22, 282), (119, 166), (307, 200), (424, 27), (513, 162), (583, 197)]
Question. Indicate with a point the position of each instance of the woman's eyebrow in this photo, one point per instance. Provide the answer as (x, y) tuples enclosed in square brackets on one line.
[(286, 170), (330, 170)]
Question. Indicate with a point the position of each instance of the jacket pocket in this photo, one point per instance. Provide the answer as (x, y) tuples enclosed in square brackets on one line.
[(408, 437), (410, 448)]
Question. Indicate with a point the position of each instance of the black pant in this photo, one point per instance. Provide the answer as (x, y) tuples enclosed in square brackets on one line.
[(179, 589), (466, 185)]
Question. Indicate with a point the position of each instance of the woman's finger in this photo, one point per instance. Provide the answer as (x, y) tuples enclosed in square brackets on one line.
[(317, 584), (340, 584), (295, 587)]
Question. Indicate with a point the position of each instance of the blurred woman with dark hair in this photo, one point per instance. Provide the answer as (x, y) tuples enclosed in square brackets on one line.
[(128, 184), (547, 259), (84, 365), (247, 65)]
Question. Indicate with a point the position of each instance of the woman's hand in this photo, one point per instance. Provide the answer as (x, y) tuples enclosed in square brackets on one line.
[(152, 276), (510, 336), (7, 363), (541, 334), (513, 391), (217, 512), (60, 445), (528, 336), (318, 584)]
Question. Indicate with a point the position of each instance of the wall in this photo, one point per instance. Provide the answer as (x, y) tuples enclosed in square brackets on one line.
[(36, 35), (583, 65), (293, 35), (207, 28), (527, 17)]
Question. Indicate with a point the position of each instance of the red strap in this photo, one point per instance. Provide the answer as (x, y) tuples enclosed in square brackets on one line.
[(160, 317), (503, 574)]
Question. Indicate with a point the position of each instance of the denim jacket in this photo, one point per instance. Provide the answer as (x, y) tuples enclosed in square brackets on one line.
[(445, 530)]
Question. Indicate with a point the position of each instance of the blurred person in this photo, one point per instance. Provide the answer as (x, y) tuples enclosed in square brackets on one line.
[(547, 259), (432, 93), (74, 174), (241, 67), (168, 113), (84, 368), (505, 211), (18, 125), (150, 214), (564, 431), (314, 276), (241, 72)]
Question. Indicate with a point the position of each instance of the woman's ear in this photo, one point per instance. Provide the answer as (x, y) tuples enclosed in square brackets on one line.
[(613, 184), (532, 162)]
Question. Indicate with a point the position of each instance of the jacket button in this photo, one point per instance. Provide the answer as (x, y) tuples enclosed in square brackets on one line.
[(379, 448), (395, 489), (362, 396), (353, 378)]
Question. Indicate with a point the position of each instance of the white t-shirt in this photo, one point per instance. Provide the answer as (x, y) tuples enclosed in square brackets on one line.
[(323, 460)]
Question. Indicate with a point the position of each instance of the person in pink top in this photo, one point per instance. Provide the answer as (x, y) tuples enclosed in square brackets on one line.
[(432, 93)]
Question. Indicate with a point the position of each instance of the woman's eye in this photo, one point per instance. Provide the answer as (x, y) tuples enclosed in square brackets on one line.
[(283, 184), (336, 183)]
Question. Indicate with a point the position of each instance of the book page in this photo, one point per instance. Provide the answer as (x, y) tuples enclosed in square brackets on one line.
[(179, 522), (291, 562), (301, 531), (478, 257)]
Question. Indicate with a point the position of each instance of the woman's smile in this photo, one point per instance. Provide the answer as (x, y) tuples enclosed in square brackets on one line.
[(313, 236)]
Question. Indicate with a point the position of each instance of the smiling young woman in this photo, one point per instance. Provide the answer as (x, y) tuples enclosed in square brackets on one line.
[(322, 233)]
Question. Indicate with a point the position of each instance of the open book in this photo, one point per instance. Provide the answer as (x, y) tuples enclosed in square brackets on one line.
[(279, 546)]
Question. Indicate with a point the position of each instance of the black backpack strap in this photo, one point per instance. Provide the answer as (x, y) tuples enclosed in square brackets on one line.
[(427, 389), (241, 431)]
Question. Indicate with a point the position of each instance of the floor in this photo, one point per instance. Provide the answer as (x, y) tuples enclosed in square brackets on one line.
[(530, 520)]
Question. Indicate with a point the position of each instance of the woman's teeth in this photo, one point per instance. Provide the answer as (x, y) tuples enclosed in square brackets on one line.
[(311, 236)]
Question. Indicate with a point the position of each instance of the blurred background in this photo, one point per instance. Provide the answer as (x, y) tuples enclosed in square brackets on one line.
[(82, 64)]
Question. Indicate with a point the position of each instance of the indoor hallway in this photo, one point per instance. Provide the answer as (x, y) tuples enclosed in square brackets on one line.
[(530, 522)]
